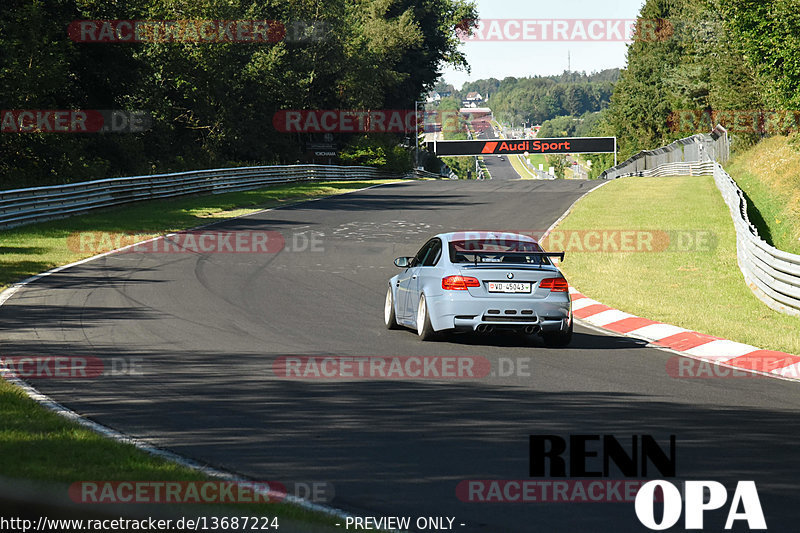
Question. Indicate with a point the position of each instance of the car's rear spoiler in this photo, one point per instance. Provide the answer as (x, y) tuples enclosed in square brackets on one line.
[(560, 255)]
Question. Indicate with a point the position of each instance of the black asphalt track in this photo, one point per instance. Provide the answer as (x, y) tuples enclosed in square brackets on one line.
[(208, 327)]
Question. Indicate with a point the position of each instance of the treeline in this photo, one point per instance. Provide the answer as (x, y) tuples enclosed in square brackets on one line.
[(572, 126), (536, 99), (736, 62), (211, 103)]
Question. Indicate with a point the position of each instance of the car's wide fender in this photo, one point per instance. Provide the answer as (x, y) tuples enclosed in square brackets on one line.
[(431, 286), (393, 281)]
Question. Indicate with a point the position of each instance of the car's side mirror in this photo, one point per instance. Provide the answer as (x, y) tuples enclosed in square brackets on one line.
[(402, 262)]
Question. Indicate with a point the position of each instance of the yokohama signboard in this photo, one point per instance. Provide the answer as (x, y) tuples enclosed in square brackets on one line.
[(564, 145)]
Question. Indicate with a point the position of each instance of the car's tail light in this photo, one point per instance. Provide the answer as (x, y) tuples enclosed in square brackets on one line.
[(459, 283), (554, 284)]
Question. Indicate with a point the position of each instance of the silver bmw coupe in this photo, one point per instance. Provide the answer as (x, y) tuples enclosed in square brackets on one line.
[(483, 282)]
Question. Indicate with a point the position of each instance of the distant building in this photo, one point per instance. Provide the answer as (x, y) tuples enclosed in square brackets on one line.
[(433, 97), (473, 99), (480, 118)]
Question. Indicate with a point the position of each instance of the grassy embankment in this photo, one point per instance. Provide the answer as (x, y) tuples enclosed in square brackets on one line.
[(699, 288), (769, 174)]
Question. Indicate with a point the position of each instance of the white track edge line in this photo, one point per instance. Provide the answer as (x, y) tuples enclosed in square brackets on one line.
[(117, 436), (569, 209)]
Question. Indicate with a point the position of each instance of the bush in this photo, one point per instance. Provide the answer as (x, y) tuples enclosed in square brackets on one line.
[(377, 151)]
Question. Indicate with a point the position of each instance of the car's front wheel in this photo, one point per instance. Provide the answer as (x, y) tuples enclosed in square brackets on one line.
[(388, 311), (424, 327)]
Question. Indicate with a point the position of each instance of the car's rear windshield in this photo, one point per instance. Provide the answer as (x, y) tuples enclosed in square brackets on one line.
[(496, 251)]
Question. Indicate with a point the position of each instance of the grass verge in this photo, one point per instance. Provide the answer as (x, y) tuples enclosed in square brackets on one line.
[(769, 174), (701, 289), (39, 445), (536, 159), (520, 168), (482, 163)]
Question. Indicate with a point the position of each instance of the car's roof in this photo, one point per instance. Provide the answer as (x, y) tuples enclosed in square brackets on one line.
[(485, 235)]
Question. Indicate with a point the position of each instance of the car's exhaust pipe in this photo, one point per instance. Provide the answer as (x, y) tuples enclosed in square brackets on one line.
[(530, 330), (484, 328)]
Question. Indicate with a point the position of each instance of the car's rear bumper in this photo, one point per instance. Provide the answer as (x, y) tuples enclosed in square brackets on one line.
[(465, 312)]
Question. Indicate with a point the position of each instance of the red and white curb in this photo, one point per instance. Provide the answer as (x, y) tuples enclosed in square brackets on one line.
[(687, 343)]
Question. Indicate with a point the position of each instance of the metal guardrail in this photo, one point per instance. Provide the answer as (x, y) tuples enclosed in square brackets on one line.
[(714, 146), (690, 168), (773, 275), (539, 173), (25, 206)]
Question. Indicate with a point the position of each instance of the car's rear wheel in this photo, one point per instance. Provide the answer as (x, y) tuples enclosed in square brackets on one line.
[(388, 311), (558, 339), (424, 327)]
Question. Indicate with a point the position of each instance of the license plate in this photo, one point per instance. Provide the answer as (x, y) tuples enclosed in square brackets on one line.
[(509, 286)]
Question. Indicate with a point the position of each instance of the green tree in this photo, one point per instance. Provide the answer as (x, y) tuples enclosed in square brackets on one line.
[(212, 103), (767, 31)]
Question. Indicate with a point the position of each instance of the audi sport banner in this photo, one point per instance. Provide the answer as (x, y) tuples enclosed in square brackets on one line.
[(564, 145)]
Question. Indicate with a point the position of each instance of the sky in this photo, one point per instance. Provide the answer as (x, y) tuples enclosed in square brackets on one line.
[(499, 59)]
